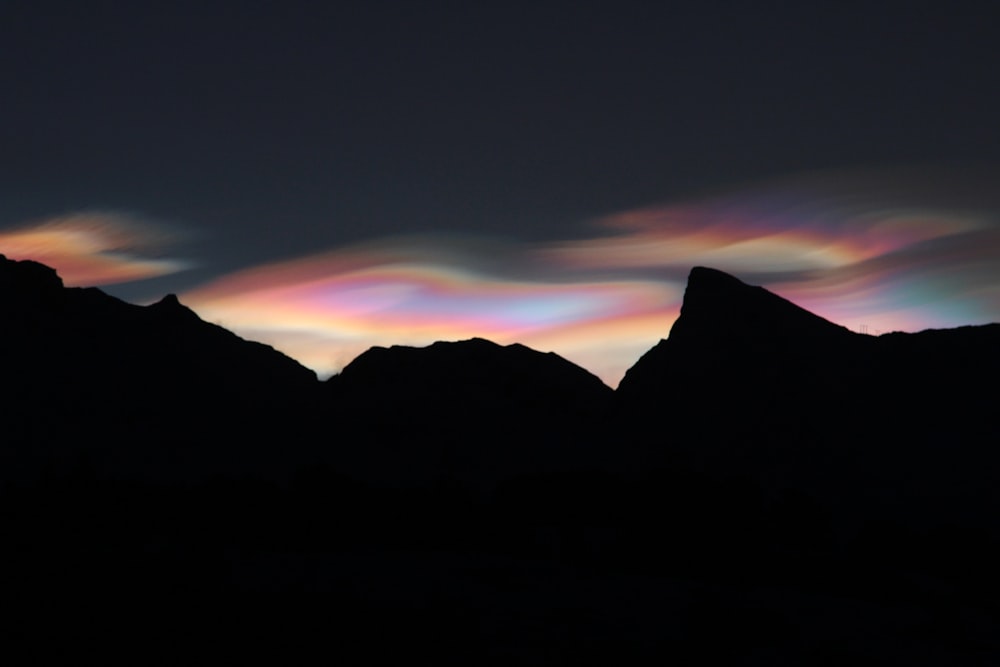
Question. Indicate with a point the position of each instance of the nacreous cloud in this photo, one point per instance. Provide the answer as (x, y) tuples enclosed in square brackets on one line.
[(93, 248), (875, 251), (885, 251), (326, 309)]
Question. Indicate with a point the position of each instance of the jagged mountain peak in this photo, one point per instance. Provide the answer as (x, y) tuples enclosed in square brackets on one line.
[(171, 307), (168, 301), (719, 305), (725, 324)]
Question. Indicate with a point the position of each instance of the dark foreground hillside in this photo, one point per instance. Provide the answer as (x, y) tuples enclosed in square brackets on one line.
[(173, 493)]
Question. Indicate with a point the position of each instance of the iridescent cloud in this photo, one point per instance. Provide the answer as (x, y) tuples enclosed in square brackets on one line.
[(877, 251), (92, 248), (879, 263), (326, 309)]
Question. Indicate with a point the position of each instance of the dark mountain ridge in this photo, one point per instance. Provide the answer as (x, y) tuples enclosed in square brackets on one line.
[(747, 383), (174, 396), (785, 490), (137, 390), (472, 410), (770, 390), (479, 369)]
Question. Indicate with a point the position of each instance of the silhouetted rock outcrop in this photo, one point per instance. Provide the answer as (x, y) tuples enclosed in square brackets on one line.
[(28, 283), (750, 385), (472, 409), (739, 338), (173, 397), (134, 390)]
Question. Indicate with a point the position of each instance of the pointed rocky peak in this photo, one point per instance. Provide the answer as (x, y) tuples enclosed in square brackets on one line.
[(170, 306), (169, 301), (718, 305), (726, 327)]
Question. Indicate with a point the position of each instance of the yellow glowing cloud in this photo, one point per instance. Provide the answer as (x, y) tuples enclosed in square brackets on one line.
[(91, 248)]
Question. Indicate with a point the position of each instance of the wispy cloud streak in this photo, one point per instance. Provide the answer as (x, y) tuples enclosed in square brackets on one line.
[(93, 248), (873, 250), (889, 250), (328, 308)]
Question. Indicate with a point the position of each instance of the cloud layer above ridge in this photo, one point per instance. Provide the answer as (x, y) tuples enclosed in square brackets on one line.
[(875, 250)]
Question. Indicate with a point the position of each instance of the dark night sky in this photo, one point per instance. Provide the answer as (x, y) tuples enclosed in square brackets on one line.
[(265, 131)]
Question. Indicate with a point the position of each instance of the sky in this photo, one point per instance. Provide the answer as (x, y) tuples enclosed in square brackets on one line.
[(324, 177)]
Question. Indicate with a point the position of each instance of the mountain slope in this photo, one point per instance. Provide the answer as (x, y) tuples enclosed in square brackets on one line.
[(736, 332), (749, 385), (472, 409), (155, 392), (133, 390)]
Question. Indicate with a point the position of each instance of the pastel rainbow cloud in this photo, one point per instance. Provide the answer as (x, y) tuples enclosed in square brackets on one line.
[(856, 257), (859, 257), (91, 248), (867, 250), (326, 309)]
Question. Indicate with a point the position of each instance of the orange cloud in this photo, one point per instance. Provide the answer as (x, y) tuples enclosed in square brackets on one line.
[(92, 248)]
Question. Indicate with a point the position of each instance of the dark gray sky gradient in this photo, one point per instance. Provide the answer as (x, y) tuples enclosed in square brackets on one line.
[(275, 126), (268, 130)]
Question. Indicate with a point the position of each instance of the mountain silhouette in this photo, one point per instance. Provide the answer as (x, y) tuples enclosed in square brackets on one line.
[(764, 487), (896, 426), (724, 322), (173, 396), (133, 390), (472, 409)]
